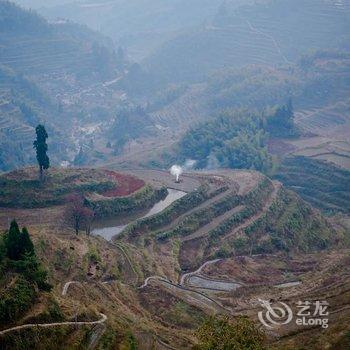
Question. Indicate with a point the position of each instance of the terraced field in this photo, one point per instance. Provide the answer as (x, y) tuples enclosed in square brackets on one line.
[(45, 70), (207, 265), (264, 34), (322, 18), (183, 112), (233, 45), (235, 237), (332, 119), (230, 213), (233, 286), (330, 127), (318, 182)]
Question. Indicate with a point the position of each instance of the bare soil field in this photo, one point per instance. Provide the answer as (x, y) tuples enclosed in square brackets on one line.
[(126, 184)]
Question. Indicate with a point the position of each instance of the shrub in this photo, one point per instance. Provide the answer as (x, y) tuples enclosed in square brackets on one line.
[(222, 333), (16, 300)]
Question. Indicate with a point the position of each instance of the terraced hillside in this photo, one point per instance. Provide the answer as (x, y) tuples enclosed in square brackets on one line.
[(233, 212), (141, 27), (318, 182), (318, 86), (22, 106), (329, 127), (107, 192), (54, 74), (235, 237), (270, 33), (33, 46)]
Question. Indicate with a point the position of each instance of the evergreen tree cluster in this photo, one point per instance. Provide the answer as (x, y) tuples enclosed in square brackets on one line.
[(281, 122), (234, 140), (18, 243), (17, 254), (238, 139)]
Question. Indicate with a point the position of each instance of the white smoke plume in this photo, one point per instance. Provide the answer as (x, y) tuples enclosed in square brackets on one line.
[(176, 170)]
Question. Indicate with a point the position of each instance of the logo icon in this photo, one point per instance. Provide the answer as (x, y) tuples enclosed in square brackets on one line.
[(274, 315)]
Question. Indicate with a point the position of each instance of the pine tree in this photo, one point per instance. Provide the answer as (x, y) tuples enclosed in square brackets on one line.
[(13, 242), (18, 244), (41, 149)]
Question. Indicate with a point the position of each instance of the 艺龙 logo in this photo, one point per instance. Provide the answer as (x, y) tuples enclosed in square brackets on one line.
[(309, 313), (276, 315)]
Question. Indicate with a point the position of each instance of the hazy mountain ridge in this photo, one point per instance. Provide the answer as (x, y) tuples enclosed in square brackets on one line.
[(140, 26), (264, 34)]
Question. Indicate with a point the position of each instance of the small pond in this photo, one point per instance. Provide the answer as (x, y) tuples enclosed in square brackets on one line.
[(108, 228), (288, 284), (205, 283)]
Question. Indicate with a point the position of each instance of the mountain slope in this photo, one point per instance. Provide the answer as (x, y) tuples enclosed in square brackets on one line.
[(23, 105), (30, 45), (139, 26), (271, 33), (45, 69), (139, 281)]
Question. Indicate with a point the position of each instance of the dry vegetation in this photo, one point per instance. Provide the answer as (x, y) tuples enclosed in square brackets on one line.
[(166, 310)]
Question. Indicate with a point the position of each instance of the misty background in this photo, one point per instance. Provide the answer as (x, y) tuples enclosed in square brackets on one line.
[(148, 83)]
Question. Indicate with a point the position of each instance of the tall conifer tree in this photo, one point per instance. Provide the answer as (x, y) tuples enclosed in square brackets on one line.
[(40, 146)]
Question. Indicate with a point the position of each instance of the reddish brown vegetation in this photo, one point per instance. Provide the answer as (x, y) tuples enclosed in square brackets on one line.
[(77, 215), (126, 184)]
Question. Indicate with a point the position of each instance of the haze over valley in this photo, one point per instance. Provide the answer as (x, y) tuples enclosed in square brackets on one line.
[(170, 168)]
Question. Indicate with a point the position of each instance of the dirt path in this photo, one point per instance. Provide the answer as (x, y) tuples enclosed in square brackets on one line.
[(257, 216), (275, 43), (203, 205), (66, 286), (198, 271), (57, 324), (191, 296), (148, 279), (94, 337), (203, 231)]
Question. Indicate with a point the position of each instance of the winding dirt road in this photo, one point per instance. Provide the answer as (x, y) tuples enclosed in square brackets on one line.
[(192, 296), (66, 286), (198, 271), (57, 324)]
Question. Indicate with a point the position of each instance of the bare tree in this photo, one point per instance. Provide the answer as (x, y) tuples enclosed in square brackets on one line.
[(77, 215)]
